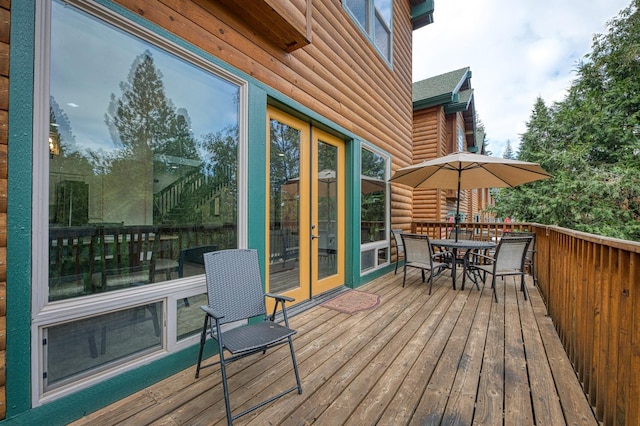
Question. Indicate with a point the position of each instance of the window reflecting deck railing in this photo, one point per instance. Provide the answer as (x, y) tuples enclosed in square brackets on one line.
[(86, 260)]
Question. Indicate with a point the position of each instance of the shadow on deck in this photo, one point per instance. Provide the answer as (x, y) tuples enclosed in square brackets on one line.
[(455, 357)]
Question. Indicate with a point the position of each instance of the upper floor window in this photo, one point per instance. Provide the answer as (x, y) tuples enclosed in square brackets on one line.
[(374, 17), (460, 138)]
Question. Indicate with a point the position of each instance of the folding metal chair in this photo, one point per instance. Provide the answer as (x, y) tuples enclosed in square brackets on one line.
[(235, 292)]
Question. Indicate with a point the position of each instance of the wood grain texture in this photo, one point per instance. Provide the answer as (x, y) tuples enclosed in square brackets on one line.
[(414, 359)]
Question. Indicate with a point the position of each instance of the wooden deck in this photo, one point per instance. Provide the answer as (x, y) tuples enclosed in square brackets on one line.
[(455, 357)]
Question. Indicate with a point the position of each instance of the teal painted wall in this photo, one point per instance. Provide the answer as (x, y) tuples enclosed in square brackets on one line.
[(18, 354)]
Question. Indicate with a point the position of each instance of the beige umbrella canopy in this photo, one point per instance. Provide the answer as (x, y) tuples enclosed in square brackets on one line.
[(328, 180), (463, 170)]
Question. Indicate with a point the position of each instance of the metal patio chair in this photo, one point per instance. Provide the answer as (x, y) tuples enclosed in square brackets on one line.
[(509, 260), (399, 246), (419, 254), (531, 252), (235, 294)]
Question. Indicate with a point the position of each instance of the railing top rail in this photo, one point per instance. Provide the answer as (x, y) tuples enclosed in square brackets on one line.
[(632, 246)]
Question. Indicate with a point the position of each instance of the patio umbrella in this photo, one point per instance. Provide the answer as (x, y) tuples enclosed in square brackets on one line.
[(463, 170), (328, 177)]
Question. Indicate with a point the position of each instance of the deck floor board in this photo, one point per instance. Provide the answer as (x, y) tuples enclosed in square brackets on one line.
[(453, 357)]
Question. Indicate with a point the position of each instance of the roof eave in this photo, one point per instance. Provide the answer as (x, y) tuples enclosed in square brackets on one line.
[(422, 14)]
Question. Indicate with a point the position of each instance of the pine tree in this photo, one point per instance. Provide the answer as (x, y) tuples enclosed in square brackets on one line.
[(508, 151)]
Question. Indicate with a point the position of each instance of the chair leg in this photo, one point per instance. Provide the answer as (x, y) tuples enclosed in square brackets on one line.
[(203, 339), (523, 287), (405, 275), (295, 365), (225, 388), (493, 285), (397, 261)]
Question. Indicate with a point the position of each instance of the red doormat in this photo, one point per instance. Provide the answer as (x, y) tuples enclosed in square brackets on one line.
[(353, 301)]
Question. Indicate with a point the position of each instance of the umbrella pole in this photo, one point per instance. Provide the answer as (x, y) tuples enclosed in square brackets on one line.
[(458, 203)]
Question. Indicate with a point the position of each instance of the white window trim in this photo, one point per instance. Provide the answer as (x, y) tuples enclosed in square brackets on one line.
[(45, 314)]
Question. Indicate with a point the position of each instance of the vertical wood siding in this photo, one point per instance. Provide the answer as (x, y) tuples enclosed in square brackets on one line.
[(591, 285)]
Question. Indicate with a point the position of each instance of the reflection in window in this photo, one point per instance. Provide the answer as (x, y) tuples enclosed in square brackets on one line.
[(360, 11), (74, 350), (327, 209), (189, 320), (374, 205), (284, 214), (373, 210), (375, 18), (143, 160)]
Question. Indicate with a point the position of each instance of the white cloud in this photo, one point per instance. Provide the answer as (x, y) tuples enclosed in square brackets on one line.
[(517, 51)]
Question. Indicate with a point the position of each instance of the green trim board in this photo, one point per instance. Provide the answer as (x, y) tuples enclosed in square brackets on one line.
[(422, 14), (20, 134), (465, 97), (76, 405)]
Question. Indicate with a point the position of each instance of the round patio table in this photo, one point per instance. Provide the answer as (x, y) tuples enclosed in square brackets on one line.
[(468, 246)]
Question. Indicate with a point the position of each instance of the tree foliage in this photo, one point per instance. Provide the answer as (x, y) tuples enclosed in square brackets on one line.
[(589, 142), (509, 153)]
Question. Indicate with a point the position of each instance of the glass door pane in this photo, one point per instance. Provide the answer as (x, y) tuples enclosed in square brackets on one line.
[(327, 209), (284, 214), (328, 212), (306, 208)]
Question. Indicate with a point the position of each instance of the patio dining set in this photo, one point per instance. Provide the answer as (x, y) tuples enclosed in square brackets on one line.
[(512, 255)]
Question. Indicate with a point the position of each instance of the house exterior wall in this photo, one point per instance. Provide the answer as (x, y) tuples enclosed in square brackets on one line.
[(338, 76), (338, 80), (436, 134), (432, 137)]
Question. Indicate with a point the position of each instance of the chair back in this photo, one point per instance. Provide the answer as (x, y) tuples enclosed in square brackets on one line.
[(532, 246), (417, 248), (511, 253), (234, 284), (463, 234), (398, 240)]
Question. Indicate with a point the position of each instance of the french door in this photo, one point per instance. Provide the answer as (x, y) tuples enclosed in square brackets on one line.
[(306, 208)]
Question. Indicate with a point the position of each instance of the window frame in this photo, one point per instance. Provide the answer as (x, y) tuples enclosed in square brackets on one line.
[(376, 246), (44, 313), (369, 29)]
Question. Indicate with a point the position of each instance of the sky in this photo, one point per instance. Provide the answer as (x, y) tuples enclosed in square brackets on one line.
[(516, 50)]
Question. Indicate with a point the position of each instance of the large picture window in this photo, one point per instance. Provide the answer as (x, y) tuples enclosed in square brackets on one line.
[(143, 159), (143, 164)]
